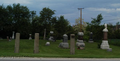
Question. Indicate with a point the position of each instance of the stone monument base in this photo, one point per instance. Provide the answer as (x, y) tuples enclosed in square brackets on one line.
[(64, 45), (80, 42), (90, 41), (51, 38), (30, 38), (104, 44)]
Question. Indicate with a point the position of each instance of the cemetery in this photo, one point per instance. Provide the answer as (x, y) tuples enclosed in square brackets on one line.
[(55, 37), (61, 48), (53, 50)]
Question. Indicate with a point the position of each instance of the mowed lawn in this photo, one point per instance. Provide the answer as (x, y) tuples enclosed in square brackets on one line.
[(27, 46)]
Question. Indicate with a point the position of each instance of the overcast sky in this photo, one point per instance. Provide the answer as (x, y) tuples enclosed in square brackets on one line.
[(110, 9)]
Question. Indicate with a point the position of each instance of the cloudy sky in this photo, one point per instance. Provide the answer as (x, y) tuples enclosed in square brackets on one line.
[(110, 9)]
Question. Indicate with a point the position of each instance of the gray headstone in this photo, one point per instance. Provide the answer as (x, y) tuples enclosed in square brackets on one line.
[(91, 38), (65, 43), (17, 40), (80, 44), (109, 50), (36, 43), (72, 44), (7, 38), (51, 38), (65, 38), (47, 43)]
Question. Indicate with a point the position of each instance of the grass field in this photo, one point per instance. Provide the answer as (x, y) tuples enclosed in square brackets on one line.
[(26, 50)]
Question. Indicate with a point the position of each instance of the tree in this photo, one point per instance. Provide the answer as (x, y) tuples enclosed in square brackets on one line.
[(46, 15), (5, 24), (97, 21), (95, 27), (61, 27), (77, 25), (15, 18)]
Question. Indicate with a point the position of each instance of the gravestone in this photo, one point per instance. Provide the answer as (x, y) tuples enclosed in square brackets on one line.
[(7, 38), (47, 43), (13, 35), (80, 44), (36, 43), (44, 34), (72, 44), (91, 38), (104, 44), (1, 38), (51, 38), (30, 36), (65, 43), (17, 41), (10, 39), (109, 50)]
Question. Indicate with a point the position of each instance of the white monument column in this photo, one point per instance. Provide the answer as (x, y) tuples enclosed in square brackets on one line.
[(13, 35), (30, 36), (105, 44)]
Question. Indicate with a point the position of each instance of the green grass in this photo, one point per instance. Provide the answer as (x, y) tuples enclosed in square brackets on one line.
[(26, 50), (114, 42)]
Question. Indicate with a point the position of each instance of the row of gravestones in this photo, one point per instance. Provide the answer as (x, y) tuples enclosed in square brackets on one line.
[(64, 44), (36, 43), (80, 44)]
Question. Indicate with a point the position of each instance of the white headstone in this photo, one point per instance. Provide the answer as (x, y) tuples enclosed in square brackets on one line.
[(51, 32), (13, 35), (10, 39), (30, 36), (47, 43)]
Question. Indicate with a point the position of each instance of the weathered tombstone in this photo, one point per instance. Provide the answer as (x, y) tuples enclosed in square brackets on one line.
[(7, 38), (109, 50), (13, 35), (80, 44), (91, 38), (51, 36), (104, 44), (72, 44), (65, 43), (36, 43), (30, 36), (1, 38), (44, 34), (10, 39), (47, 43), (17, 40)]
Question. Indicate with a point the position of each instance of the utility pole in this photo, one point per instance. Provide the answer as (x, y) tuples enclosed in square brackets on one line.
[(80, 18)]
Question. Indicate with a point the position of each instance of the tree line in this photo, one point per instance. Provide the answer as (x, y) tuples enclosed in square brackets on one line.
[(20, 19)]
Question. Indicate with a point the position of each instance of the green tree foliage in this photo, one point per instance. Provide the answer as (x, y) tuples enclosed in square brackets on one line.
[(16, 19), (20, 19), (46, 16), (96, 28), (113, 31), (61, 27), (5, 24), (77, 25)]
